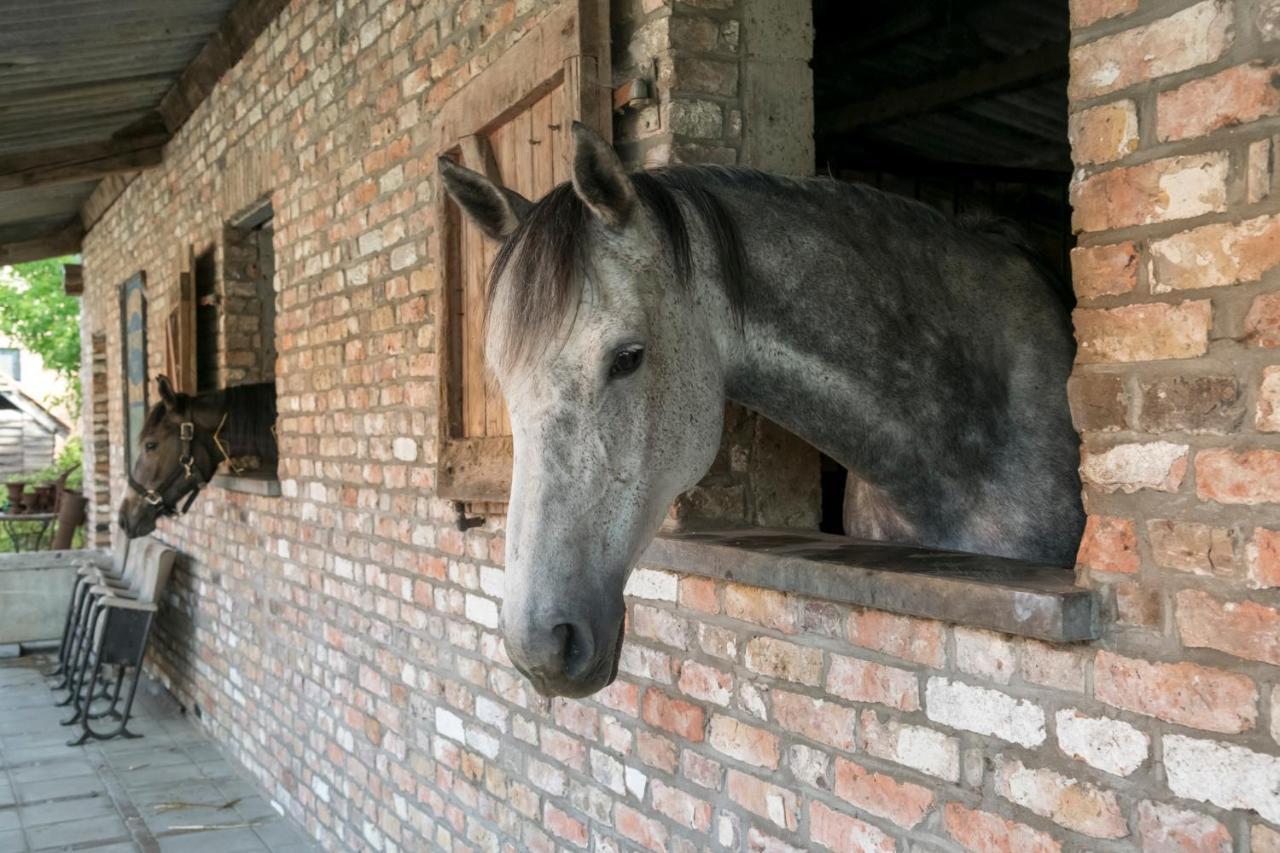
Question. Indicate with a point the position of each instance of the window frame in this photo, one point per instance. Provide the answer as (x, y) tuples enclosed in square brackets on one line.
[(569, 47)]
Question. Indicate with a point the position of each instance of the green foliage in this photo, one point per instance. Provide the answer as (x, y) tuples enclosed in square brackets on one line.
[(37, 314), (72, 456)]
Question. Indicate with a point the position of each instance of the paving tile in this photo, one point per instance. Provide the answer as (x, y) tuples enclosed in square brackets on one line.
[(213, 841), (281, 833), (12, 842), (53, 789), (9, 820), (43, 771), (62, 811), (108, 828)]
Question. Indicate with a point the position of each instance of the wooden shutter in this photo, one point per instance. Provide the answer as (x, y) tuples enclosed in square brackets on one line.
[(180, 328), (511, 122)]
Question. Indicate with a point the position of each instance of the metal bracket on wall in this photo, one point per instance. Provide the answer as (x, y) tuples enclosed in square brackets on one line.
[(463, 521), (632, 95)]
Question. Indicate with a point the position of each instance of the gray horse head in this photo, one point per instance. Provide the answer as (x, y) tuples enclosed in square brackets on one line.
[(615, 390)]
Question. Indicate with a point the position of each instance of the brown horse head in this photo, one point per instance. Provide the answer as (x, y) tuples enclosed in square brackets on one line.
[(173, 460)]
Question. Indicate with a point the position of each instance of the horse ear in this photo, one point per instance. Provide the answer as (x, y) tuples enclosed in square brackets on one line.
[(497, 210), (599, 177), (167, 394)]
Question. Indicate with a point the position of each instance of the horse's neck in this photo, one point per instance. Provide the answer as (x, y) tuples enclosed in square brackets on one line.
[(217, 412)]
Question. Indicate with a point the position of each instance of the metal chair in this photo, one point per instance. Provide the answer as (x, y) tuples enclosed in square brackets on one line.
[(120, 627), (88, 573)]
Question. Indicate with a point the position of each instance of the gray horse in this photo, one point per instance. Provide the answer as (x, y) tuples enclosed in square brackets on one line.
[(930, 359)]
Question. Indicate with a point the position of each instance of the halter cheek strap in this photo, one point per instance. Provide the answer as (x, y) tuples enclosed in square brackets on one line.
[(186, 472)]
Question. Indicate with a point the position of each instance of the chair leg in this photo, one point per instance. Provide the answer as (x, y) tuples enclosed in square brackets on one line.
[(87, 731), (66, 630), (82, 717), (75, 613), (80, 668)]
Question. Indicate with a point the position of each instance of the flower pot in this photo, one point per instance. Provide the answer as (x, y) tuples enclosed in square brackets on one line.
[(15, 495), (45, 495)]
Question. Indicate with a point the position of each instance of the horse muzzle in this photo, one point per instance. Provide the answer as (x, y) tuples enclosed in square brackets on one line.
[(571, 658)]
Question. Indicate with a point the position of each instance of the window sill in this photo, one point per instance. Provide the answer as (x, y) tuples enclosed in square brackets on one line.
[(263, 485), (1014, 597)]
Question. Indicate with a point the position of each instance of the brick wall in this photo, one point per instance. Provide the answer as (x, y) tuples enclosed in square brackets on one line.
[(340, 640)]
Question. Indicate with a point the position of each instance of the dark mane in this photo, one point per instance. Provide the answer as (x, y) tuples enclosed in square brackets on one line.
[(251, 420), (548, 252)]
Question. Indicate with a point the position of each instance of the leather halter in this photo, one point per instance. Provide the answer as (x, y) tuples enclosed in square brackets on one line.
[(186, 472)]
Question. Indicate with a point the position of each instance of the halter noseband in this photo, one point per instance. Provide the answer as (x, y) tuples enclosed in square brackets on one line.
[(185, 472)]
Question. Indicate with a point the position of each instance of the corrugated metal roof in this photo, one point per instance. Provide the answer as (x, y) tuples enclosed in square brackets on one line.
[(83, 71)]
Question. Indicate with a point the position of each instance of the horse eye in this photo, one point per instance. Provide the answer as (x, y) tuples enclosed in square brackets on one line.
[(626, 361), (151, 445)]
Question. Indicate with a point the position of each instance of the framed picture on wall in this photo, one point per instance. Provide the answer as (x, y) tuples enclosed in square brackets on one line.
[(133, 337)]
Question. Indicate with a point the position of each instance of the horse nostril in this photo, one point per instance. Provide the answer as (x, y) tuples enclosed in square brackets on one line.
[(577, 650)]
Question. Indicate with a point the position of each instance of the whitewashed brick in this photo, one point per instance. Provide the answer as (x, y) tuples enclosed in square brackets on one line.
[(985, 653), (450, 725), (405, 449), (653, 584), (985, 711), (608, 771), (920, 748), (1226, 775), (1110, 745), (482, 611), (635, 780)]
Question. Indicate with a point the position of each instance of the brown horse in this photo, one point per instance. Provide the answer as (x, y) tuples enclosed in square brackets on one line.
[(183, 442)]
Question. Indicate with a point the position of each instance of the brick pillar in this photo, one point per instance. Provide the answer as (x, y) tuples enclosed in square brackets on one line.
[(1176, 388)]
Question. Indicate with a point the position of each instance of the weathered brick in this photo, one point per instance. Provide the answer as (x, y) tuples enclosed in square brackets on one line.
[(645, 831), (1235, 96), (984, 832), (1184, 693), (1157, 191), (1109, 545), (673, 715), (1216, 255), (1264, 839), (1194, 36), (917, 747), (1262, 323), (988, 712), (705, 683), (824, 722), (764, 799), (1198, 404), (698, 594), (1052, 666), (1186, 546), (1128, 468), (1264, 559), (1245, 629), (1076, 805), (1137, 605), (746, 743), (866, 681), (1107, 270), (836, 831), (685, 809), (985, 653), (1268, 416), (1098, 402), (760, 606), (1151, 331), (1226, 775), (561, 824), (1164, 827), (1110, 745), (1086, 12), (1238, 477), (1103, 133), (785, 661), (903, 803), (918, 640)]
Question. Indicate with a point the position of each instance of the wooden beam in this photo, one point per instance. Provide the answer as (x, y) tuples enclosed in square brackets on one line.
[(246, 20), (64, 242), (73, 279), (990, 79), (103, 196), (86, 162)]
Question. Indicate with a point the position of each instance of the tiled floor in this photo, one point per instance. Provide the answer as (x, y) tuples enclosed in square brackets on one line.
[(170, 791)]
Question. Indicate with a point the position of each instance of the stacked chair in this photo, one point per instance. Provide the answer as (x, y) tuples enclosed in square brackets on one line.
[(110, 614)]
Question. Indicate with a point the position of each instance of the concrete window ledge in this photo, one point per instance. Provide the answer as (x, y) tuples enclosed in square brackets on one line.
[(263, 485), (1028, 599)]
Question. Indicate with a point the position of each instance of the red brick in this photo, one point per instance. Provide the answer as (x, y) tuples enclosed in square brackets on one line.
[(764, 799), (1186, 546), (1157, 191), (1238, 477), (1110, 545), (645, 831), (984, 832), (760, 606), (1245, 629), (674, 715), (1268, 417), (1103, 133), (918, 640), (836, 831), (903, 803), (1138, 605), (685, 809), (1104, 270), (1264, 559), (1216, 255), (1067, 802), (783, 660), (1186, 39), (1163, 827), (866, 681), (656, 751), (1098, 401), (1052, 666), (1147, 332), (1086, 12), (698, 594), (1184, 693), (1262, 323), (1235, 96), (559, 823), (824, 722), (746, 743), (705, 683)]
